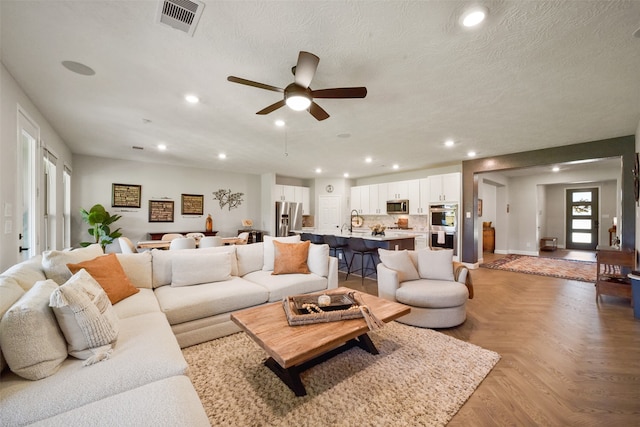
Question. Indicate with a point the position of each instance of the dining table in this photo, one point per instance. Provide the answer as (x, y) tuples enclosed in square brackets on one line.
[(165, 244)]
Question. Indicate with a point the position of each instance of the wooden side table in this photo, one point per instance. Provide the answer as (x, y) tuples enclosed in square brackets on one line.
[(614, 266), (548, 243)]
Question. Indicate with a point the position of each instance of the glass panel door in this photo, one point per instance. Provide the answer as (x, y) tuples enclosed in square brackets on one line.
[(29, 134), (582, 219)]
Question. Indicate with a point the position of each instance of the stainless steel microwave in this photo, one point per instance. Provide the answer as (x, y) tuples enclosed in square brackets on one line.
[(397, 206)]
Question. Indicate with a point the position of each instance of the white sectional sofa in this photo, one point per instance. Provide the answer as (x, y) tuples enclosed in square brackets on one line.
[(145, 379)]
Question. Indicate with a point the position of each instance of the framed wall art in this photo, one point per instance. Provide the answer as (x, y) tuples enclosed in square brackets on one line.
[(192, 204), (160, 210), (125, 195)]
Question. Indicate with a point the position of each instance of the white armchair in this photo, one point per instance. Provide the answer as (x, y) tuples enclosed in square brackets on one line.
[(430, 282)]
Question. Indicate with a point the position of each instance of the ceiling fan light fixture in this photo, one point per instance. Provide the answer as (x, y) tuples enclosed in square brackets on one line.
[(298, 102), (473, 16)]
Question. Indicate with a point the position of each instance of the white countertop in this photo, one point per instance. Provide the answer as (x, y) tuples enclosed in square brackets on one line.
[(366, 234)]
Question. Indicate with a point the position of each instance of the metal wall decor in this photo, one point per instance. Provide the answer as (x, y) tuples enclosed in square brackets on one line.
[(226, 197)]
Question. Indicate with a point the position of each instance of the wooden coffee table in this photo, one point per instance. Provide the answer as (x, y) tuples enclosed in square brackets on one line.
[(294, 349)]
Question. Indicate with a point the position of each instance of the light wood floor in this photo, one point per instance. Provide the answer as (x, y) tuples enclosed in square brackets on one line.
[(566, 361)]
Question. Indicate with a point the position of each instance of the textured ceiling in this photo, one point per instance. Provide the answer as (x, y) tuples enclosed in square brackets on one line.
[(534, 75)]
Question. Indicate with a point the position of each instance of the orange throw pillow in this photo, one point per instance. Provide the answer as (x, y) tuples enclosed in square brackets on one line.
[(291, 258), (108, 272)]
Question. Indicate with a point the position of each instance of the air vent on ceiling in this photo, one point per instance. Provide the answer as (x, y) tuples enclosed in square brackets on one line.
[(182, 15)]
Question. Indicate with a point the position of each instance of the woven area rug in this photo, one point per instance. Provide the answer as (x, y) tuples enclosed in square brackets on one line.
[(584, 271), (420, 378)]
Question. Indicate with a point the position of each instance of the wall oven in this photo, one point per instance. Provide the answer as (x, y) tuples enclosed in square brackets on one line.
[(443, 227)]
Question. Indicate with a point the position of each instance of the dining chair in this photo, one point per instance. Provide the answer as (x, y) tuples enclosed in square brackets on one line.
[(183, 243), (126, 245), (211, 242), (196, 236), (170, 236), (243, 238)]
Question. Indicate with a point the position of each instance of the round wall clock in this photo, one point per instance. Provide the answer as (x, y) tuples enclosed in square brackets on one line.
[(329, 188)]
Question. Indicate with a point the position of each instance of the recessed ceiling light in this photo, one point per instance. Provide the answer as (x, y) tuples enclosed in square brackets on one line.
[(555, 169), (222, 156), (279, 123), (78, 68), (449, 143), (318, 170), (192, 99), (368, 160), (471, 154), (396, 166), (473, 16), (346, 175), (162, 147)]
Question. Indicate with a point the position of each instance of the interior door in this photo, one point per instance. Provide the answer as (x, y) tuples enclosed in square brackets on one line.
[(27, 179), (582, 218), (329, 213)]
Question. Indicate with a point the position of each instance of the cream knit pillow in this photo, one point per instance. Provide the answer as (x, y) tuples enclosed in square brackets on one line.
[(87, 318), (54, 263), (31, 341)]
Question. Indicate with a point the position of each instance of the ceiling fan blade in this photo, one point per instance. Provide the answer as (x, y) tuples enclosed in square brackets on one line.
[(341, 92), (254, 84), (306, 68), (271, 107), (317, 112)]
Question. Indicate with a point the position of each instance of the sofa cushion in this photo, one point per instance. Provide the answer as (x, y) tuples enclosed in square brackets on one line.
[(107, 271), (54, 263), (195, 302), (290, 258), (146, 351), (10, 292), (86, 317), (137, 267), (436, 264), (269, 250), (318, 260), (162, 262), (200, 267), (26, 273), (400, 262), (250, 258), (31, 340), (287, 284), (143, 302), (429, 293)]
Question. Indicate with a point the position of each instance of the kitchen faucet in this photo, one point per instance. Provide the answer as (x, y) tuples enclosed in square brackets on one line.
[(351, 222)]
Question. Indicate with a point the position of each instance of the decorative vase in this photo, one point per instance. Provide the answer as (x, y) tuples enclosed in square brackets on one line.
[(209, 223)]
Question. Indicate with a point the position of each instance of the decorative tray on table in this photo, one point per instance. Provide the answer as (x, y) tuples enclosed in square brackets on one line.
[(304, 309), (305, 304)]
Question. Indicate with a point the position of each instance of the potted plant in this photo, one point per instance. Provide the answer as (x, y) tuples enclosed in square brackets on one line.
[(100, 220)]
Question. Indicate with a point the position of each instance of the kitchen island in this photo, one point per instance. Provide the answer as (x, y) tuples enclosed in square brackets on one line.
[(390, 241)]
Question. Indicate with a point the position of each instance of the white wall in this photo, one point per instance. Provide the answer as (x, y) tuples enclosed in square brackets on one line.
[(94, 176), (11, 95)]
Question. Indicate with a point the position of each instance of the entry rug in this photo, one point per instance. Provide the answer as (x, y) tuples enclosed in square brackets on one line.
[(584, 271), (420, 378)]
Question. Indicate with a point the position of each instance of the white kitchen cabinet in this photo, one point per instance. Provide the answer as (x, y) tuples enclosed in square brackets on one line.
[(306, 201), (383, 196), (293, 193), (415, 205), (444, 188), (356, 199), (398, 190)]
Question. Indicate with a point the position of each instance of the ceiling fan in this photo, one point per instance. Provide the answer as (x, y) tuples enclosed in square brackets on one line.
[(298, 95)]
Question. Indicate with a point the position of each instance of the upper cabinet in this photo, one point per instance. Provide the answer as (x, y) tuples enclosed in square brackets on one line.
[(292, 193), (398, 190), (444, 188)]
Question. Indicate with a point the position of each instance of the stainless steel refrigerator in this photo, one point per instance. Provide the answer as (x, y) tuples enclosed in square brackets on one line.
[(288, 218)]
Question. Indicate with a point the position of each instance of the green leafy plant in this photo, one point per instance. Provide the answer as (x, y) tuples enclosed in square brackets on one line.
[(100, 220)]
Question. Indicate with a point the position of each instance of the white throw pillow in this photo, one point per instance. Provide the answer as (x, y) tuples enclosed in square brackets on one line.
[(31, 341), (10, 292), (250, 257), (87, 318), (197, 268), (436, 264), (269, 250), (137, 267), (318, 259), (400, 262), (54, 263)]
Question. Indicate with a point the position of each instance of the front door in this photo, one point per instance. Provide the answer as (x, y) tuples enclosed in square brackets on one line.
[(582, 219)]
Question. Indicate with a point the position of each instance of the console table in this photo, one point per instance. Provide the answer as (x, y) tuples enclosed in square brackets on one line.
[(158, 235)]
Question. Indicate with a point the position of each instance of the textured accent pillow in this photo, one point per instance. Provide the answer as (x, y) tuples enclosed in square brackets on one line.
[(400, 262), (318, 260), (108, 272), (87, 318), (269, 251), (10, 292), (31, 341), (137, 267), (54, 263), (436, 264), (291, 257), (196, 268)]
